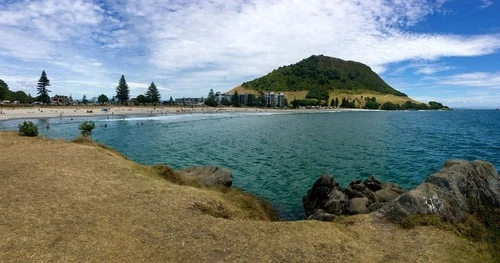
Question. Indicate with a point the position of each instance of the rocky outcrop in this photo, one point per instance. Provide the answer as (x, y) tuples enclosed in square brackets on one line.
[(327, 199), (210, 175), (460, 188)]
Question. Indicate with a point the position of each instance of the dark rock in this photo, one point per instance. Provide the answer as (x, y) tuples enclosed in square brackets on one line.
[(373, 184), (326, 196), (460, 188), (210, 175)]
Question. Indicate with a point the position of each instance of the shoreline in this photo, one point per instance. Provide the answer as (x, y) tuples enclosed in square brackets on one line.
[(54, 112)]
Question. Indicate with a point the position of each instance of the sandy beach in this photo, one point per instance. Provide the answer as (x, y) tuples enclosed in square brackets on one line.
[(10, 113)]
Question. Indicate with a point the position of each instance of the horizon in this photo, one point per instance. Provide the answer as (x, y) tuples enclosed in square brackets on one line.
[(443, 50)]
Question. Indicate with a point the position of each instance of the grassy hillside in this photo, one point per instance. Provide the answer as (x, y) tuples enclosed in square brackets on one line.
[(322, 73), (69, 202)]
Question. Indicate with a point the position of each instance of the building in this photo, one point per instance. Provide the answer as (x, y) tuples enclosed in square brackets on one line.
[(189, 101), (61, 100)]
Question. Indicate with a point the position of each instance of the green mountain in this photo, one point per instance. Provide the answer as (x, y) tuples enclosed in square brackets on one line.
[(322, 74)]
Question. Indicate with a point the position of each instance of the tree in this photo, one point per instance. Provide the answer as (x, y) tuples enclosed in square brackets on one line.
[(142, 99), (235, 99), (171, 101), (42, 85), (211, 94), (224, 101), (4, 90), (152, 94), (211, 102), (122, 90), (84, 99), (102, 99)]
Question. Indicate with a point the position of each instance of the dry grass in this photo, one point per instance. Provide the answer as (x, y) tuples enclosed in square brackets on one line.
[(351, 94), (67, 202)]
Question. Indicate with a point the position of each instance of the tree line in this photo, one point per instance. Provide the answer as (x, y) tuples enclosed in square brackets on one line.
[(152, 95)]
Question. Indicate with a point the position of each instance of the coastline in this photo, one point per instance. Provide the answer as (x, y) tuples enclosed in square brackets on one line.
[(15, 113)]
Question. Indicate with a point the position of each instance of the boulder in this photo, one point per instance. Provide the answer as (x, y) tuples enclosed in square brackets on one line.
[(358, 205), (458, 189), (326, 197), (210, 175)]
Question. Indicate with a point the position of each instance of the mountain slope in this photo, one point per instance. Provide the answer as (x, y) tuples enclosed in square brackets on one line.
[(322, 73)]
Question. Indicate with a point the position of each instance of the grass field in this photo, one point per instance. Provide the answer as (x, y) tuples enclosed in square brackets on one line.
[(80, 202)]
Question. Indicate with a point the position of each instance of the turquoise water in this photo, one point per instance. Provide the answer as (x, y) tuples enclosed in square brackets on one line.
[(279, 156)]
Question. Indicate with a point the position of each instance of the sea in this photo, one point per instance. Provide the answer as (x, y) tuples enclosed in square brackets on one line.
[(279, 155)]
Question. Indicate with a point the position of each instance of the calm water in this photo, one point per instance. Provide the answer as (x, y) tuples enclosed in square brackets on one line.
[(279, 156)]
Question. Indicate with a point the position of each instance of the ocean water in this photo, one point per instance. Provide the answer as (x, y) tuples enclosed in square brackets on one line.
[(278, 156)]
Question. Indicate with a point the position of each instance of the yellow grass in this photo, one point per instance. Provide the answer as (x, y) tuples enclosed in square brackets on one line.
[(68, 202), (348, 94)]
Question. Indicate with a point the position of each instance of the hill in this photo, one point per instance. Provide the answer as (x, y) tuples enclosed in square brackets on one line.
[(69, 202), (322, 73)]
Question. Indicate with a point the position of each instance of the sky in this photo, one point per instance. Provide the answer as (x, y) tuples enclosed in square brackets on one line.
[(442, 50)]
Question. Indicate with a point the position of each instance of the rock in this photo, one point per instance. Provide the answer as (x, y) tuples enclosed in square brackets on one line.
[(358, 205), (210, 175), (460, 188), (385, 195), (321, 215), (373, 184), (326, 196)]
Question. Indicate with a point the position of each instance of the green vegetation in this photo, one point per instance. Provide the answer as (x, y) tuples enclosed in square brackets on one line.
[(42, 85), (122, 90), (153, 95), (20, 96), (371, 103), (321, 74), (28, 129), (102, 99), (86, 128)]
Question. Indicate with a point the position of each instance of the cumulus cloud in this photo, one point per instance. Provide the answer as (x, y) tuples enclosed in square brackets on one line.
[(192, 46), (475, 79)]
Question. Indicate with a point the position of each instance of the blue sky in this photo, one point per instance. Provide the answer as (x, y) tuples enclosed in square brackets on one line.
[(443, 50)]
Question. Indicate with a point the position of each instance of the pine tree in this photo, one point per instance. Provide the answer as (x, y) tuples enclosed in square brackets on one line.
[(43, 83), (152, 95), (171, 101), (122, 90), (211, 94)]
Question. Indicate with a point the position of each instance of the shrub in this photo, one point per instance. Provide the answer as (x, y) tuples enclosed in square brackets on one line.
[(28, 129), (86, 128)]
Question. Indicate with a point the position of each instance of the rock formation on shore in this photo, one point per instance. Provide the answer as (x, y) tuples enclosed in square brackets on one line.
[(210, 175), (461, 188), (327, 199)]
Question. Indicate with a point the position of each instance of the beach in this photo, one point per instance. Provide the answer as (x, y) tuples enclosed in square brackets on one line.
[(10, 113)]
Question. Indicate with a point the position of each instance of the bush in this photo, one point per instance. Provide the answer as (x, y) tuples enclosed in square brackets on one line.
[(86, 128), (28, 129)]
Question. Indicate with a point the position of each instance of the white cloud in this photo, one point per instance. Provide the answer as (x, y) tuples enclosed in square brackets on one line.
[(476, 79), (193, 46), (485, 3)]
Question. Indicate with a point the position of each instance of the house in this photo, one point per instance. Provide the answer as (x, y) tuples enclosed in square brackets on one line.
[(60, 100)]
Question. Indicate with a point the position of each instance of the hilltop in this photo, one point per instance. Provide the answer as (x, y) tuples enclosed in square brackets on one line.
[(330, 81), (322, 73), (83, 202)]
